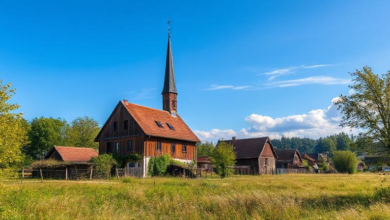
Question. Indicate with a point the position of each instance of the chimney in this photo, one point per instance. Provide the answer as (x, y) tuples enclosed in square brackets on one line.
[(233, 139), (125, 101)]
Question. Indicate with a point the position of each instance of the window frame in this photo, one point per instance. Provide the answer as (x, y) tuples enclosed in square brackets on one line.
[(126, 125), (115, 126), (173, 148), (159, 124), (170, 126), (158, 146), (117, 147), (129, 147), (184, 148)]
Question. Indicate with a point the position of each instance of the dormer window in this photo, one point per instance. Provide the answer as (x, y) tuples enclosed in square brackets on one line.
[(170, 126), (159, 124)]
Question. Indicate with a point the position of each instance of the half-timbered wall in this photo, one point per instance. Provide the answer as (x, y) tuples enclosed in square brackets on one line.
[(166, 148)]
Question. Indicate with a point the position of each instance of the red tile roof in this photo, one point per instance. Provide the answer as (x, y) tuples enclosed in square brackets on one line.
[(75, 154), (146, 117), (203, 159), (249, 148)]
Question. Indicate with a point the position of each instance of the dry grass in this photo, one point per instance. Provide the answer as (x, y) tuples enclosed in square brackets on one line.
[(300, 196)]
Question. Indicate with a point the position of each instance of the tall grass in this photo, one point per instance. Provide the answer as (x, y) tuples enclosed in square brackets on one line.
[(299, 196)]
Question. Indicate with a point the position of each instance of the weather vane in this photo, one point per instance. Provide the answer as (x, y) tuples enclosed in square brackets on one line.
[(169, 27)]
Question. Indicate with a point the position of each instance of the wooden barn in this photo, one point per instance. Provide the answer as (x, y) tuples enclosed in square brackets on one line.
[(289, 159), (258, 153), (150, 132)]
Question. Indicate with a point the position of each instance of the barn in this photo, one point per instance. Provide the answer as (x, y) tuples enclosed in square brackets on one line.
[(257, 153)]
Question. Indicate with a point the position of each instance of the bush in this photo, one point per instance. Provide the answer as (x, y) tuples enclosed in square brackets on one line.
[(158, 165), (345, 161), (122, 160), (103, 164)]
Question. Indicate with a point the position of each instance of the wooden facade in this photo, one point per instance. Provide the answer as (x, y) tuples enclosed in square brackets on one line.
[(288, 159)]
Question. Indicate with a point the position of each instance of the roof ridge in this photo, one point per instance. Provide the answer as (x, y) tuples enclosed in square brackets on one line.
[(148, 107), (75, 147), (247, 138)]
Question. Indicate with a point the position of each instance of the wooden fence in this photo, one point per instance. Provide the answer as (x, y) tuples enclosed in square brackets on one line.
[(129, 171)]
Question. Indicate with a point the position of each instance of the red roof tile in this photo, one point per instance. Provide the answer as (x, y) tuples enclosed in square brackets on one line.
[(203, 159), (75, 154), (146, 117)]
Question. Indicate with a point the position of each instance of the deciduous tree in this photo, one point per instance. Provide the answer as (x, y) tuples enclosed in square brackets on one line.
[(368, 106), (222, 157), (82, 132), (13, 131)]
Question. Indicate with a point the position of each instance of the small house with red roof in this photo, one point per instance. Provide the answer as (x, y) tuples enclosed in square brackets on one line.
[(257, 153), (72, 154), (137, 129)]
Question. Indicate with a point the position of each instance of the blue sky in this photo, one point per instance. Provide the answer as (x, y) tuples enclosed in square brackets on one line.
[(248, 69)]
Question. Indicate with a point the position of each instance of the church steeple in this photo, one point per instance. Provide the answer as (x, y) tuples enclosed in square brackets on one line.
[(169, 91)]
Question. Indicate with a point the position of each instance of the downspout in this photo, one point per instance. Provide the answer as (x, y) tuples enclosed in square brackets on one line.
[(144, 163)]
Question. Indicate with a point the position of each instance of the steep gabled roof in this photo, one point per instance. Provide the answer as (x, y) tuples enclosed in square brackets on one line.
[(249, 148), (287, 155), (74, 154), (307, 157), (146, 118)]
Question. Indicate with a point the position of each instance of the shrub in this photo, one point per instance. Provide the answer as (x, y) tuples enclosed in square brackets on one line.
[(345, 161), (103, 164), (122, 160), (158, 165)]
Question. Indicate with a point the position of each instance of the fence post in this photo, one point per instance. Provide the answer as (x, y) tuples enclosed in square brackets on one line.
[(116, 173), (66, 173), (40, 171), (90, 177)]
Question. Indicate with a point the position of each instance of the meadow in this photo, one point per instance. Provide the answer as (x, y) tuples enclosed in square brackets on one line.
[(292, 196)]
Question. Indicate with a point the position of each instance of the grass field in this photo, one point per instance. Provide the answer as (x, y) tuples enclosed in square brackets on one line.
[(299, 196)]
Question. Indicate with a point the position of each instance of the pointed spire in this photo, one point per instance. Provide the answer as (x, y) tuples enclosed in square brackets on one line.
[(169, 82)]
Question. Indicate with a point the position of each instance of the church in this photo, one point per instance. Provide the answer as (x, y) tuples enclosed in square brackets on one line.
[(150, 132)]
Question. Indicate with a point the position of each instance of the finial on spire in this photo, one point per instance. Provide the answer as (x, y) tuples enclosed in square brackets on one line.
[(169, 27)]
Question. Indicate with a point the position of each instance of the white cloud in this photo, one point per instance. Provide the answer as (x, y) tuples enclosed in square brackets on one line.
[(219, 87), (289, 70), (323, 80), (314, 124)]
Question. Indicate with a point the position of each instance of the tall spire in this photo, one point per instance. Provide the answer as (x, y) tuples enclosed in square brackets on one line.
[(169, 82)]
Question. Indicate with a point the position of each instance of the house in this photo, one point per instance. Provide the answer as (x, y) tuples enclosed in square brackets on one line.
[(309, 160), (290, 159), (149, 132), (257, 153), (72, 154), (204, 162)]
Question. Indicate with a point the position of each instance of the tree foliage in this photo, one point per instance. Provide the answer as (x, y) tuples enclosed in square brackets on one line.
[(222, 157), (205, 149), (44, 134), (82, 132), (345, 161), (368, 107), (13, 130), (103, 164)]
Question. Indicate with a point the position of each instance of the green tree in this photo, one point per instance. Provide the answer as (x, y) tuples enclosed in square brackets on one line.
[(222, 157), (368, 106), (343, 141), (345, 161), (13, 130), (325, 145), (44, 134), (205, 149), (82, 132)]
